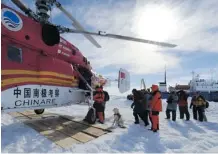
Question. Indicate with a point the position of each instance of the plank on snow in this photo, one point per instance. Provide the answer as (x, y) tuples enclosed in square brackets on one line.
[(55, 136), (71, 129)]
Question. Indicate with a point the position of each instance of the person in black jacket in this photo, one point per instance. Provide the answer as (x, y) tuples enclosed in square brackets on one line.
[(193, 106), (138, 109)]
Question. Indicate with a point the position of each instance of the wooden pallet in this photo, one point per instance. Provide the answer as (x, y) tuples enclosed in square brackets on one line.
[(60, 129)]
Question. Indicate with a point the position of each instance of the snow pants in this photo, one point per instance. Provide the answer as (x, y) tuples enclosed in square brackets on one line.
[(201, 113), (146, 116), (99, 111), (155, 120), (184, 111), (137, 115), (194, 111), (168, 111)]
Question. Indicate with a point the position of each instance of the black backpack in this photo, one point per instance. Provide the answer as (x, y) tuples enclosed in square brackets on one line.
[(207, 104), (106, 96)]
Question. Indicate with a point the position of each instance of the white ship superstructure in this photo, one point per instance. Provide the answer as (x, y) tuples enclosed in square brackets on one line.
[(203, 85)]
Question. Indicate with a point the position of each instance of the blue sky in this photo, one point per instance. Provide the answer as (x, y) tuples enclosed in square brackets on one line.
[(192, 25)]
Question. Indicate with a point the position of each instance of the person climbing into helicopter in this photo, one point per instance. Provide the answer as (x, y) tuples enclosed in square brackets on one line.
[(98, 98), (156, 107)]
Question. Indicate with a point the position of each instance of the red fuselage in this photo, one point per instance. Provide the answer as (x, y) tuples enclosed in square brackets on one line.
[(27, 60)]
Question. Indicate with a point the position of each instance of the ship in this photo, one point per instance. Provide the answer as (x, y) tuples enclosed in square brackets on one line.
[(202, 85), (206, 87)]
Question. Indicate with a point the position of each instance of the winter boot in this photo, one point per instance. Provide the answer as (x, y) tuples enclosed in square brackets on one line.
[(101, 118), (136, 122)]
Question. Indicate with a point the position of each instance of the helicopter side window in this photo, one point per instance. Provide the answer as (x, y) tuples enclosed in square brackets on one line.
[(14, 54)]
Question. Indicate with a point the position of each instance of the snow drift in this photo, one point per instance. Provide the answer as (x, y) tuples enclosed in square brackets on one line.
[(180, 136)]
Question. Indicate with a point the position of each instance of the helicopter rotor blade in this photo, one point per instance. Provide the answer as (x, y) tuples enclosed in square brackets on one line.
[(77, 25), (26, 10), (104, 34)]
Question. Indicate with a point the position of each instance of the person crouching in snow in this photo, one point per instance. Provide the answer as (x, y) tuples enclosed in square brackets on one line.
[(172, 105), (156, 107), (137, 106), (98, 103), (183, 105)]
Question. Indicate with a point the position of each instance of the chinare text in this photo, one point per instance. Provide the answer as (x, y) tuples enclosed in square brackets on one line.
[(34, 102)]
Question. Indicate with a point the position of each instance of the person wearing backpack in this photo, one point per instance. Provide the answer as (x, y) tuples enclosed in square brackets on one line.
[(193, 106), (106, 99), (201, 104), (183, 105), (137, 106), (98, 98), (172, 105)]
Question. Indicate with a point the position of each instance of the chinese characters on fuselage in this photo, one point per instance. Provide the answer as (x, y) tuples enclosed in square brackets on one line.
[(28, 97)]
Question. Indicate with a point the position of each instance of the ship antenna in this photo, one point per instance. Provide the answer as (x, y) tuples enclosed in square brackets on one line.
[(211, 74), (165, 77), (193, 74)]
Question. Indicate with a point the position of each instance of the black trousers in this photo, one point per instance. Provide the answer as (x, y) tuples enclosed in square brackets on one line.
[(168, 111), (200, 111), (99, 107), (141, 115), (184, 111), (194, 111)]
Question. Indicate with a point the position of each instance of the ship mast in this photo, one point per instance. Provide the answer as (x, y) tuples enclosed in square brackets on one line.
[(193, 74)]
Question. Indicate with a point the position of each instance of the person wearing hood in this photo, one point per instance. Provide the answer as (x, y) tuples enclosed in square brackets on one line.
[(137, 106), (193, 106), (156, 107), (201, 104), (147, 109), (183, 105), (172, 105)]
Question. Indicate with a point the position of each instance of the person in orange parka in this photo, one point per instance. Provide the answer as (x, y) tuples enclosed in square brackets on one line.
[(98, 103), (156, 107)]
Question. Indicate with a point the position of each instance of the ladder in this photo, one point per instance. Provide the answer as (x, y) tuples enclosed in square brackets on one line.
[(87, 84)]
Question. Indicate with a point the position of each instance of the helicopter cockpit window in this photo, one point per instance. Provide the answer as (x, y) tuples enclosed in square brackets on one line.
[(14, 54)]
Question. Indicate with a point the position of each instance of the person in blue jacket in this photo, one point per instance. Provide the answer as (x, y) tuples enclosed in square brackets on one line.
[(172, 103)]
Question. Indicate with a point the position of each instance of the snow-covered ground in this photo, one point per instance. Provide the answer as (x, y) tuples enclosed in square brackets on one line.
[(179, 136)]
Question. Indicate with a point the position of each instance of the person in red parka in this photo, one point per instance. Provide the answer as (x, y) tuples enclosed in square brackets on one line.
[(156, 107), (98, 103), (183, 105)]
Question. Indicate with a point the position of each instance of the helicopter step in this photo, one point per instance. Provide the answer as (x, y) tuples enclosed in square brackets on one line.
[(63, 130)]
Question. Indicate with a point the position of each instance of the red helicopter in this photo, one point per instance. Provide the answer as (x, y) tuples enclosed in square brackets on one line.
[(42, 70)]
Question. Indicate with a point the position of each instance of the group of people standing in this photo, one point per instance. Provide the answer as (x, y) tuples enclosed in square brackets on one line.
[(147, 105), (180, 99)]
